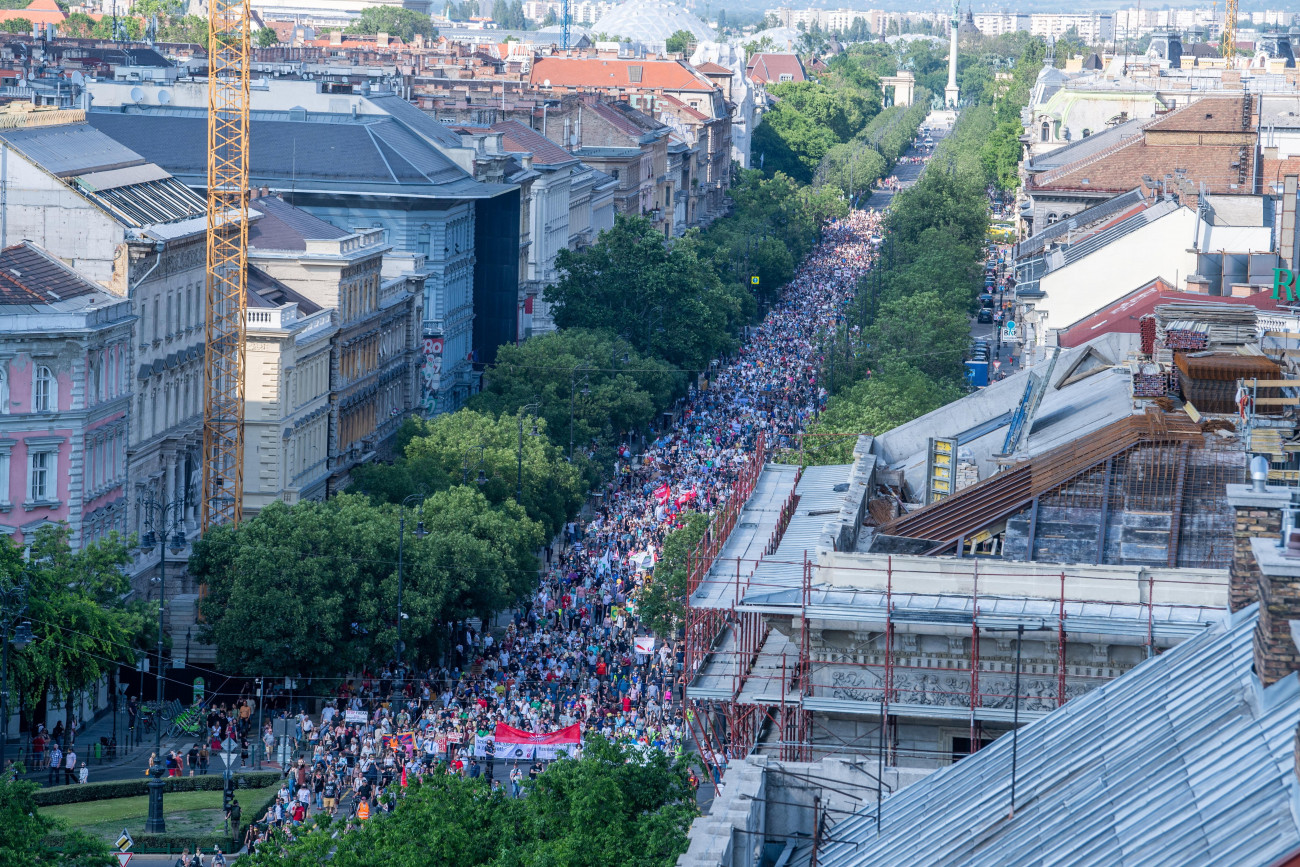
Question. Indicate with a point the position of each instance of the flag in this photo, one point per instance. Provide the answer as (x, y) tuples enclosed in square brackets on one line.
[(512, 743), (403, 776), (662, 493)]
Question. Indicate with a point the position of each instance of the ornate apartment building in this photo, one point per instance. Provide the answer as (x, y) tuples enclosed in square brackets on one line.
[(128, 225), (65, 346), (372, 374)]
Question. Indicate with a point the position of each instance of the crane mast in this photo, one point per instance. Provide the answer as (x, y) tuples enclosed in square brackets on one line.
[(1229, 47), (227, 262)]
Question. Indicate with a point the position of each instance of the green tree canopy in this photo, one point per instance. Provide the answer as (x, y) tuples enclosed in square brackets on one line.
[(395, 21), (661, 298), (311, 589), (26, 830), (612, 806), (679, 42), (450, 450), (614, 389), (81, 627)]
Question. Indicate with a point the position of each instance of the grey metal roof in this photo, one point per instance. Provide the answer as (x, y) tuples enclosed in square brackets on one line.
[(1037, 242), (1186, 760), (368, 153), (71, 149), (1088, 146), (284, 227)]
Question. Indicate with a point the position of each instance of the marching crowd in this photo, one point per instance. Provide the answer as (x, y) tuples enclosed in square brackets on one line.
[(573, 660)]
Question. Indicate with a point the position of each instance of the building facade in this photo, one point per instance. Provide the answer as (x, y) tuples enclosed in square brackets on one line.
[(65, 349)]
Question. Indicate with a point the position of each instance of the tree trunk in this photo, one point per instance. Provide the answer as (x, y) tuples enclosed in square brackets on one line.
[(67, 720)]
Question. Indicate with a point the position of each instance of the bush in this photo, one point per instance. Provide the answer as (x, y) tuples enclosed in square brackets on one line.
[(133, 788)]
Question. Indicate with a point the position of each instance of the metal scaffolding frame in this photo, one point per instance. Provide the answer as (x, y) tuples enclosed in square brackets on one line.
[(734, 726)]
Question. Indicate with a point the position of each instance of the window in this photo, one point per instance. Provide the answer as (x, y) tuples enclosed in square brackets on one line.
[(45, 397), (41, 476), (4, 393), (157, 319), (4, 477)]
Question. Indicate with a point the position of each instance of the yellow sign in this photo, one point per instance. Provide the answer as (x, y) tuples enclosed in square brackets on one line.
[(754, 279)]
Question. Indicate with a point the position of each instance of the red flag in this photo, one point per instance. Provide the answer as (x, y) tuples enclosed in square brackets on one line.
[(403, 776), (662, 492)]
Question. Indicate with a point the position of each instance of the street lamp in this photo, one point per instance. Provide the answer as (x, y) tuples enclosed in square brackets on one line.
[(165, 520), (573, 387), (465, 468), (1020, 630), (401, 539), (519, 483), (13, 604)]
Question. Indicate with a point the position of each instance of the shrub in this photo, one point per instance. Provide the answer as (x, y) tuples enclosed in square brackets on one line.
[(133, 788)]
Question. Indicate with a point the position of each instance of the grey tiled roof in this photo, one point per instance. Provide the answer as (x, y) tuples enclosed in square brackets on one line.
[(284, 227)]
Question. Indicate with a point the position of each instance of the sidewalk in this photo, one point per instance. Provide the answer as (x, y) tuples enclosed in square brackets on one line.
[(129, 763)]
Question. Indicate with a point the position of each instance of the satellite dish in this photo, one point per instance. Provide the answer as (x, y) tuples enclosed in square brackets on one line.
[(78, 78), (546, 83), (164, 97), (137, 95)]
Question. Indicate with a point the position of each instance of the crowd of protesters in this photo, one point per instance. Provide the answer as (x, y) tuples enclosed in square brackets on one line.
[(574, 654)]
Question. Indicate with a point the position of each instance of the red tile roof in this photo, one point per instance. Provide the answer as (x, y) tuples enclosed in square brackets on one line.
[(680, 107), (1210, 140), (519, 138), (768, 68), (1122, 316), (711, 68), (628, 74), (30, 276), (37, 12)]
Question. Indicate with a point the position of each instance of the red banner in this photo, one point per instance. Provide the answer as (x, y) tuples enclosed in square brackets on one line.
[(512, 743)]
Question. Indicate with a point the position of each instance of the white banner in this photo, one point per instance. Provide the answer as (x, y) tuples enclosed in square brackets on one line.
[(355, 716), (645, 644), (480, 745)]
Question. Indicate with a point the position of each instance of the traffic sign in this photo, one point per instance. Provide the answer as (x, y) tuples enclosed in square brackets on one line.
[(230, 745), (123, 858), (226, 758), (125, 842), (754, 279)]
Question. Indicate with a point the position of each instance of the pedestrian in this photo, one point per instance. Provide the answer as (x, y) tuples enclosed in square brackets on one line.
[(70, 766), (83, 774), (56, 762)]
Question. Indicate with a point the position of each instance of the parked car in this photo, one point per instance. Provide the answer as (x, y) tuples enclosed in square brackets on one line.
[(985, 316)]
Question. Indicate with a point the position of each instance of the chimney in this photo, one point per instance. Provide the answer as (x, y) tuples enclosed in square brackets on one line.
[(1256, 515)]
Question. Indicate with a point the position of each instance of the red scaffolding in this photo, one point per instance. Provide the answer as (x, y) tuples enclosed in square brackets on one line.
[(731, 722)]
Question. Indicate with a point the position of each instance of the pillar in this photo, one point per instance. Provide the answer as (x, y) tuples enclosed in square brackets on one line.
[(1255, 515), (1276, 654)]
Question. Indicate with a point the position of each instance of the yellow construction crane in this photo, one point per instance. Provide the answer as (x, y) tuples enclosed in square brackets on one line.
[(227, 278), (1228, 49)]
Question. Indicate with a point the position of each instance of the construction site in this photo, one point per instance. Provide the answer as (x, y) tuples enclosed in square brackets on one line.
[(848, 611)]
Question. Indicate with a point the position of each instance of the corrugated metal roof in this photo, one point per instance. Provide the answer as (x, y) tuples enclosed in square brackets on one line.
[(1183, 761), (70, 149)]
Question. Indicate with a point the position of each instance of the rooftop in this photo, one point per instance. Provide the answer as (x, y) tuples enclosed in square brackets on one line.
[(519, 138), (30, 277), (1186, 760), (284, 227), (768, 68), (583, 72), (338, 153)]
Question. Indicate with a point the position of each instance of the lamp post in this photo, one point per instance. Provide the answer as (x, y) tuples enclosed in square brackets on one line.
[(13, 604), (401, 539), (573, 387), (519, 478), (164, 521), (1020, 630)]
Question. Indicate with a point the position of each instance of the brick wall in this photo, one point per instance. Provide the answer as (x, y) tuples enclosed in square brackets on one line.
[(1276, 655), (1250, 523)]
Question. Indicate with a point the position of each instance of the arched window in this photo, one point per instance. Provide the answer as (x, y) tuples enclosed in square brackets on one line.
[(1045, 132), (45, 392)]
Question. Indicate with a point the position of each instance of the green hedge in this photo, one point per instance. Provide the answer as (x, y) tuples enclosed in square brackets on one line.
[(132, 788)]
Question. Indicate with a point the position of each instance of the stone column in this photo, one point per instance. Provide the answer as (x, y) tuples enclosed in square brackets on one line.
[(1256, 515)]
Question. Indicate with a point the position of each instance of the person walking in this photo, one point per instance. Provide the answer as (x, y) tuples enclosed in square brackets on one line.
[(70, 766)]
